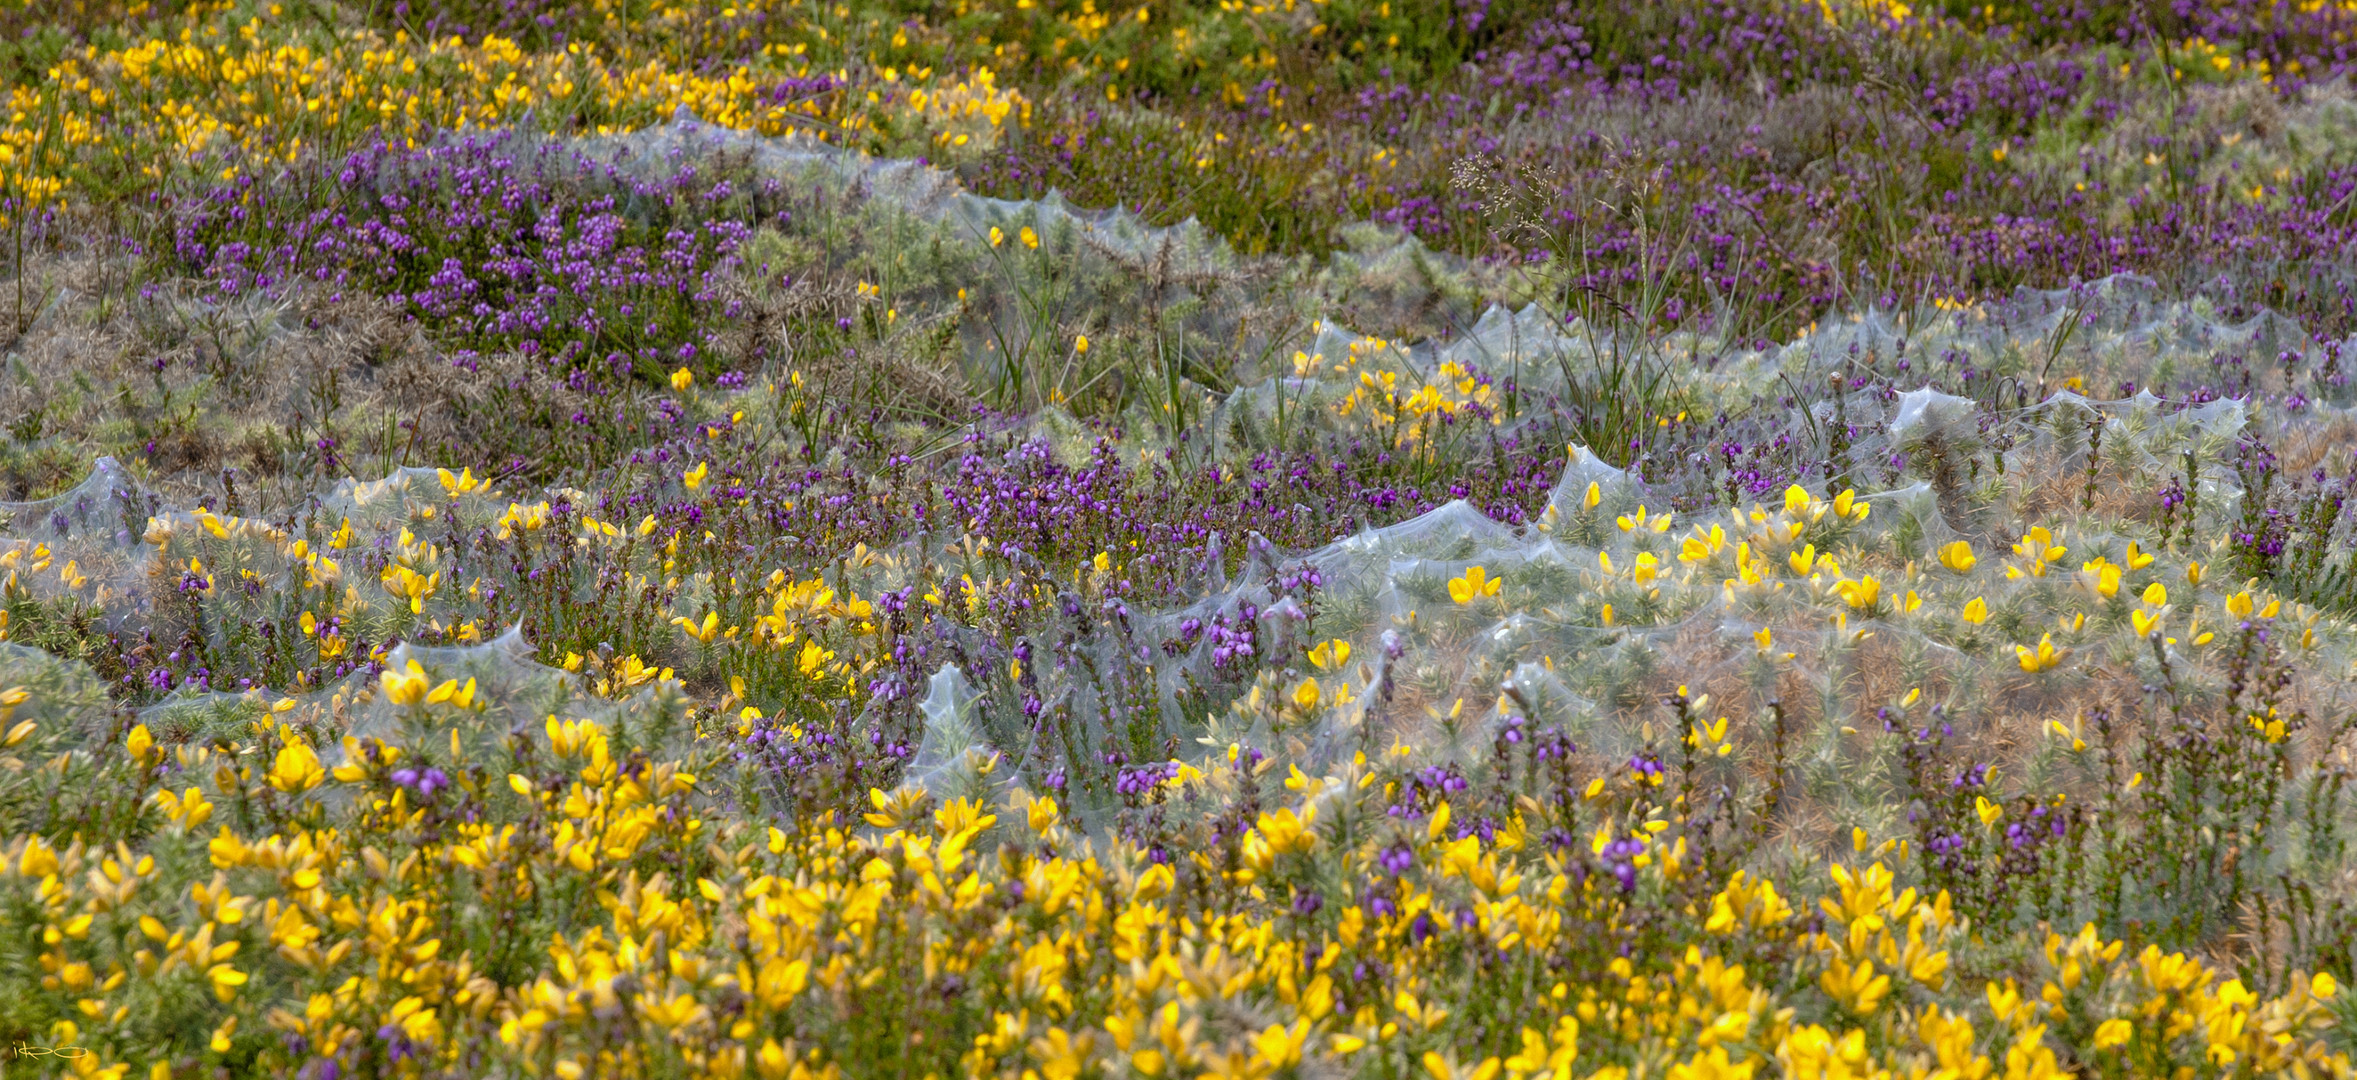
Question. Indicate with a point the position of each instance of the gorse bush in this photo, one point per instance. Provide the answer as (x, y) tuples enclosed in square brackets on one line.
[(1481, 540)]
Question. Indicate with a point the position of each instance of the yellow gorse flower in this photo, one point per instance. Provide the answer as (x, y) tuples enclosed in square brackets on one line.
[(1473, 585), (703, 632), (1860, 595), (140, 743), (1648, 567), (1330, 655), (407, 685), (2039, 550), (296, 769), (2103, 576), (407, 583), (2043, 657)]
